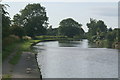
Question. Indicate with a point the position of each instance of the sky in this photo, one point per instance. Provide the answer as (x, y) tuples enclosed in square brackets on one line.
[(79, 11)]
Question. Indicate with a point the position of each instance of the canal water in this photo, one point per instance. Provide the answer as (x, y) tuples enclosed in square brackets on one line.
[(76, 59)]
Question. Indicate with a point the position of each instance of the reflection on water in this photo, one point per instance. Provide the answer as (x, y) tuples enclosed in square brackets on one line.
[(76, 59), (68, 43), (81, 44)]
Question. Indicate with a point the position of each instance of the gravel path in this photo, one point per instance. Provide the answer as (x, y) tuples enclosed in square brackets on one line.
[(26, 68), (6, 66)]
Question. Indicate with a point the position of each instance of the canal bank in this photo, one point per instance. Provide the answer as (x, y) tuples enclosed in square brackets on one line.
[(22, 61), (23, 67), (35, 57), (31, 62)]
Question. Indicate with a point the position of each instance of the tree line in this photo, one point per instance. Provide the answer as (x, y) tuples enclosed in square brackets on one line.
[(99, 33), (32, 21)]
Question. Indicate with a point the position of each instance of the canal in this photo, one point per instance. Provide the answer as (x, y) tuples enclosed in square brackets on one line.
[(76, 59)]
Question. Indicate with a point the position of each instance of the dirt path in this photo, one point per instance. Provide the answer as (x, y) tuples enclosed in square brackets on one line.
[(27, 61), (6, 66), (25, 69)]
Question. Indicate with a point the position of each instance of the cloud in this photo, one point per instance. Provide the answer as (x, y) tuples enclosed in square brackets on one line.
[(109, 11)]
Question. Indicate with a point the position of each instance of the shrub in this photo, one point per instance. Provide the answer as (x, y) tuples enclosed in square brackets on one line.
[(9, 40), (17, 30), (26, 38)]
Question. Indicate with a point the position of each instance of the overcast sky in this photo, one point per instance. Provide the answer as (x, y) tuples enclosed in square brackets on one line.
[(79, 11)]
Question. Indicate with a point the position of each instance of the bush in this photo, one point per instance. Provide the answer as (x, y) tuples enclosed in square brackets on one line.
[(17, 30), (26, 38), (77, 37), (9, 40)]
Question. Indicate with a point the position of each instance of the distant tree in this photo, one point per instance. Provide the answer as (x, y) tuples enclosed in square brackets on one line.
[(116, 33), (101, 27), (110, 29), (101, 36), (97, 28), (110, 39), (5, 21), (55, 31), (69, 27), (92, 27), (52, 31), (33, 18), (49, 30)]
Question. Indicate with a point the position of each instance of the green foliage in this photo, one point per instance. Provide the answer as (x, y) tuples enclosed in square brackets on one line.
[(102, 35), (101, 27), (113, 35), (33, 18), (69, 27), (6, 77), (17, 20), (92, 30), (116, 33), (9, 40), (18, 47), (110, 36), (99, 33), (69, 31), (52, 31), (110, 39), (8, 49), (96, 27), (50, 37), (5, 22), (110, 29), (17, 30)]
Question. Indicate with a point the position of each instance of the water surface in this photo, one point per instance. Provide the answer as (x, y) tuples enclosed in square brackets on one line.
[(76, 59)]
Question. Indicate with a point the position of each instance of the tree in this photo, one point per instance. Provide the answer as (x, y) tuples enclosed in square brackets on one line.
[(5, 21), (110, 29), (92, 27), (17, 20), (116, 34), (69, 27), (96, 28), (52, 31), (33, 18), (101, 27)]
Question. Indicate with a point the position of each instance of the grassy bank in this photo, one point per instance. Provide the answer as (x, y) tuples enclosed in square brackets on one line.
[(17, 48), (20, 46), (57, 38), (7, 77), (108, 44), (25, 45)]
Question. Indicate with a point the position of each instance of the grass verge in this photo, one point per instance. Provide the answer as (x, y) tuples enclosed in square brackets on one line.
[(7, 77), (21, 47)]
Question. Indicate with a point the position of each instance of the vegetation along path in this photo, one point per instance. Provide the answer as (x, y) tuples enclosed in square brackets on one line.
[(21, 63)]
